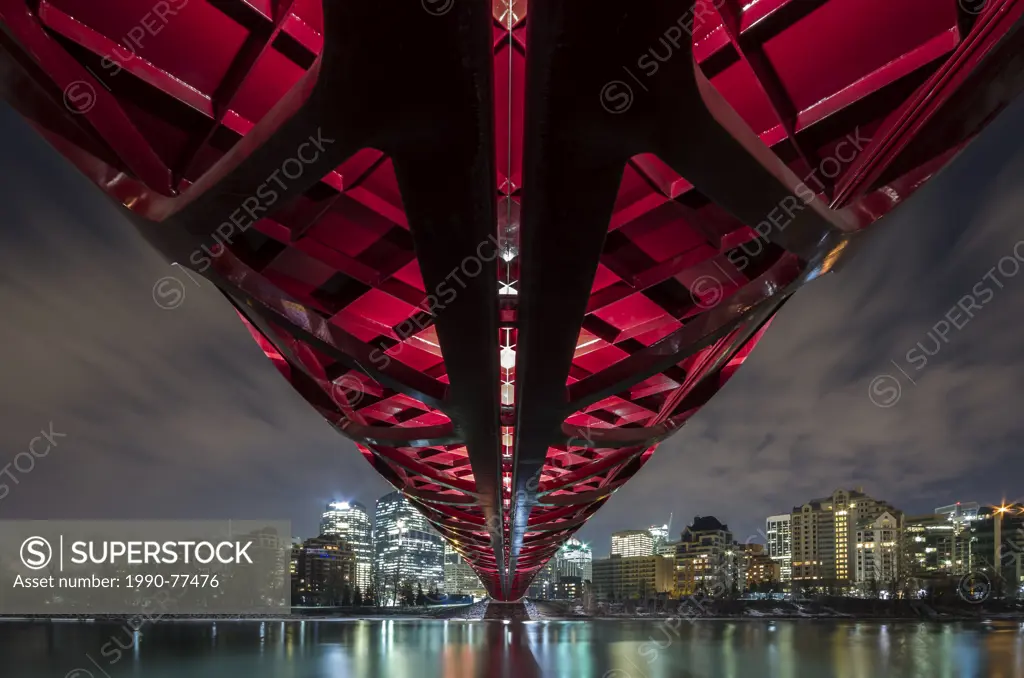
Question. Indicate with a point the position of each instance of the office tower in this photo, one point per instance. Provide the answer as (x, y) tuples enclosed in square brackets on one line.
[(659, 535), (574, 559), (351, 521), (667, 549), (997, 546), (543, 585), (934, 544), (960, 515), (632, 543), (459, 577), (408, 552), (569, 588), (323, 571), (620, 578), (779, 543), (877, 553), (962, 512)]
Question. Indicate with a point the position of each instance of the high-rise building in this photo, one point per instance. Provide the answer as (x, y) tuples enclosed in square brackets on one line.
[(708, 559), (997, 546), (779, 543), (632, 543), (459, 577), (323, 571), (960, 516), (631, 577), (565, 573), (408, 551), (543, 585), (659, 535), (568, 588), (574, 559), (667, 549), (824, 534), (351, 521), (934, 545), (962, 512), (877, 552)]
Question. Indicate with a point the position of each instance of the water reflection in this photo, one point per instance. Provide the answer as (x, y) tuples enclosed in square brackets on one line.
[(492, 649)]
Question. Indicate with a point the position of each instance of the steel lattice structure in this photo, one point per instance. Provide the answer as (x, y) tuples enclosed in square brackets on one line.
[(504, 249)]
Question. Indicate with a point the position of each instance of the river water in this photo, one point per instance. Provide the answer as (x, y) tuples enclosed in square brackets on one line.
[(493, 649)]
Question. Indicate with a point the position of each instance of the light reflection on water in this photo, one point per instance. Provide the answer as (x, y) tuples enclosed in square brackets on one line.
[(461, 649)]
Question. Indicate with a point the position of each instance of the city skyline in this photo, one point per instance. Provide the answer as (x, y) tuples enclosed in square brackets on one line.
[(847, 541), (796, 420), (762, 536)]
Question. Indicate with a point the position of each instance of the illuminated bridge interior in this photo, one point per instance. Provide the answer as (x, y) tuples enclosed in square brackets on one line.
[(508, 248)]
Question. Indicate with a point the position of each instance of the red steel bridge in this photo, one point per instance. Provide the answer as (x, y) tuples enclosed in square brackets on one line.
[(505, 248)]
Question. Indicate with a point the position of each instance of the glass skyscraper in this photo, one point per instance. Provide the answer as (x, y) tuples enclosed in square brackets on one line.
[(659, 535), (575, 559), (351, 522), (779, 543), (406, 548)]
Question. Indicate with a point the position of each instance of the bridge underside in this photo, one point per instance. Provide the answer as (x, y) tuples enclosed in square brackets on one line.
[(507, 250)]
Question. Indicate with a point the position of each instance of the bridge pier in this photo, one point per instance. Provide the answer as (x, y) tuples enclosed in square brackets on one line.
[(513, 611)]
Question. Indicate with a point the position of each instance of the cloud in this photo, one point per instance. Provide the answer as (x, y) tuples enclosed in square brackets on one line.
[(796, 421), (168, 413)]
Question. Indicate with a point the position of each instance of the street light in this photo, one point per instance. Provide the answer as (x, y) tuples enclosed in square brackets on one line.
[(998, 532)]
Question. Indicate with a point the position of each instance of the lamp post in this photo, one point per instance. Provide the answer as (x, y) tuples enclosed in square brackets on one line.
[(998, 528), (998, 549)]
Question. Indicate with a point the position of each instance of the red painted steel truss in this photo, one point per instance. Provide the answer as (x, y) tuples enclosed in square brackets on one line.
[(508, 250)]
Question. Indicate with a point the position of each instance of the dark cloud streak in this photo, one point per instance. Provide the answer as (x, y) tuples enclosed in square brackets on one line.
[(169, 413)]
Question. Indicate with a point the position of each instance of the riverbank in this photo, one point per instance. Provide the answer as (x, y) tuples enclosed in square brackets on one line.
[(474, 611), (852, 609), (858, 609)]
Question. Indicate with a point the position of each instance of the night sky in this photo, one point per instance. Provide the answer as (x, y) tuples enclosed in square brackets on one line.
[(178, 414)]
